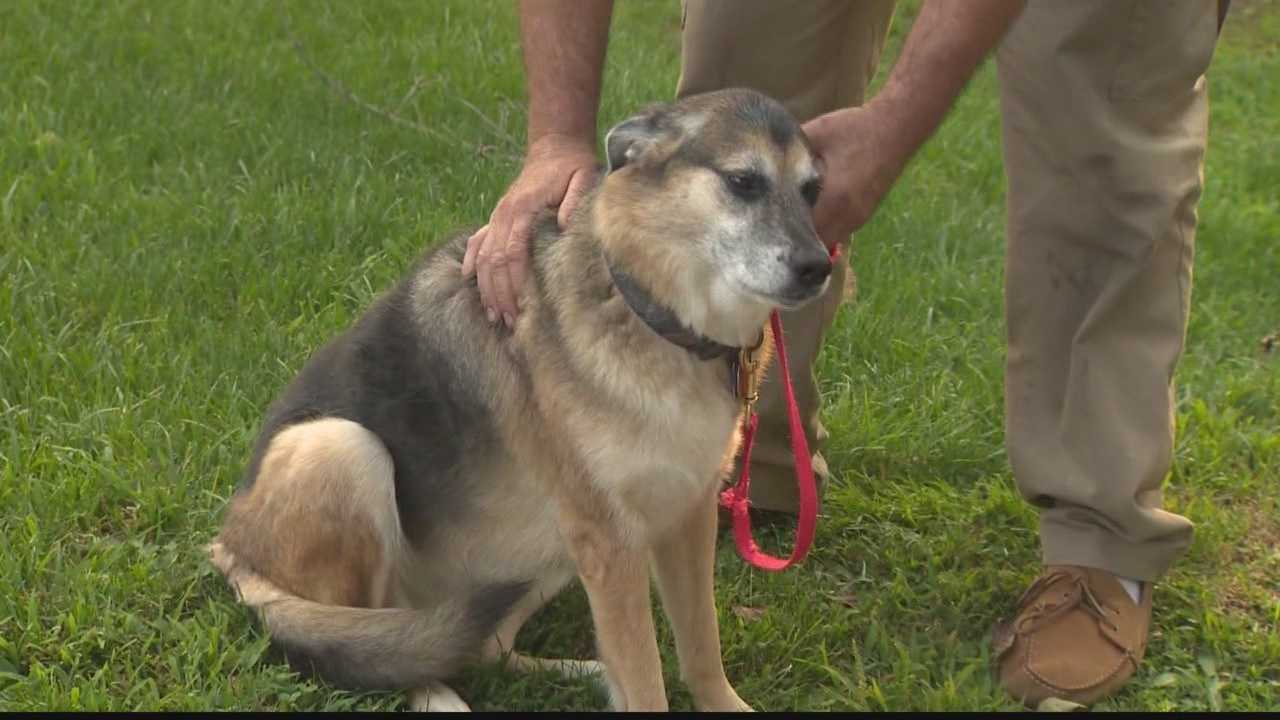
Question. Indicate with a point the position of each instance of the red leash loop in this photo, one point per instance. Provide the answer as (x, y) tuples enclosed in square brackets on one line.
[(735, 499)]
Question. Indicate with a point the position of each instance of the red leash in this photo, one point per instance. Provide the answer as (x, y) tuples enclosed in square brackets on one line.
[(735, 499)]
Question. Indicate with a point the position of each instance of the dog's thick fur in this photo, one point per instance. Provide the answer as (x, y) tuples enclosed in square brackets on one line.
[(429, 479)]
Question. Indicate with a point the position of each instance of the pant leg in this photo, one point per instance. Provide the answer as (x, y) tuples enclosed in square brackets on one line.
[(814, 57), (1105, 120)]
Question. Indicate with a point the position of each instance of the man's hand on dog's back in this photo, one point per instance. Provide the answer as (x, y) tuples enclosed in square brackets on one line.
[(563, 42), (557, 172)]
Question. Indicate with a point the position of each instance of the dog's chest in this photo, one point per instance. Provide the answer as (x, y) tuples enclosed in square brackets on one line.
[(668, 451)]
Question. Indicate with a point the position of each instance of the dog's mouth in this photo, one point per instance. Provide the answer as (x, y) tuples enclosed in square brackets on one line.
[(792, 297), (797, 296)]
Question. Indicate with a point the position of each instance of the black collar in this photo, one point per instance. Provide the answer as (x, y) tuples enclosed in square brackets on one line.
[(663, 321)]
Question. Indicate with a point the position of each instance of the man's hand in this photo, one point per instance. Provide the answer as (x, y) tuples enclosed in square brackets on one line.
[(557, 172), (859, 170), (865, 149), (563, 42)]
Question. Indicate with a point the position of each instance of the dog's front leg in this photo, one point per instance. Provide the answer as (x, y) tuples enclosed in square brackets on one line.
[(684, 562), (616, 578)]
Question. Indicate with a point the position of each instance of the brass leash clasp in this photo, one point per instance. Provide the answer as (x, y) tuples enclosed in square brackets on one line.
[(748, 385)]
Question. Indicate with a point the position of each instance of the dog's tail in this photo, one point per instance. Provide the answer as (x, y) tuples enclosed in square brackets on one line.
[(366, 648)]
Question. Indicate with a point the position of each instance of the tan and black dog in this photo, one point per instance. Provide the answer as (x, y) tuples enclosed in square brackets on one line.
[(429, 480)]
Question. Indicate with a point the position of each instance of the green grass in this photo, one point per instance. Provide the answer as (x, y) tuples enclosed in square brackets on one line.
[(187, 211)]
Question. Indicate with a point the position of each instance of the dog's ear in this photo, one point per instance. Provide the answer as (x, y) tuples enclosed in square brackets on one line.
[(639, 134)]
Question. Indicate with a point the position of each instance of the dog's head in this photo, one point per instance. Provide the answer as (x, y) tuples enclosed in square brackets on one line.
[(712, 198)]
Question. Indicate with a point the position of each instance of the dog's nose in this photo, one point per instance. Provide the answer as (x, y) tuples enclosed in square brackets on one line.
[(812, 273)]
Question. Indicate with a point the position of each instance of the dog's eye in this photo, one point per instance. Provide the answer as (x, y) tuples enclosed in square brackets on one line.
[(810, 191), (746, 185)]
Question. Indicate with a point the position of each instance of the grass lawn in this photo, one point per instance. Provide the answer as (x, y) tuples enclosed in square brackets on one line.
[(187, 210)]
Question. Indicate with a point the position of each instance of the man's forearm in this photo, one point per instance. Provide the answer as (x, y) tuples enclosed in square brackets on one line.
[(946, 44), (564, 45)]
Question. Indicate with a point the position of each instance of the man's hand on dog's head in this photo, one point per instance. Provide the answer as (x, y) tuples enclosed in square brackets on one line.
[(859, 167), (866, 148), (557, 173)]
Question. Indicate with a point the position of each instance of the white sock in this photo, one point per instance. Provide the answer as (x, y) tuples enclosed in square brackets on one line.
[(1131, 586)]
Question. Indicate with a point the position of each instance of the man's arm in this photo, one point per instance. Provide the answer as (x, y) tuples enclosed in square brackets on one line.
[(866, 149), (564, 44)]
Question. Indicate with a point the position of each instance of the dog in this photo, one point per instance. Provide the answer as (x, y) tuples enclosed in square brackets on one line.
[(429, 480)]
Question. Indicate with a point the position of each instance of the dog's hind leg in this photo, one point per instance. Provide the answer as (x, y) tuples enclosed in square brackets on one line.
[(320, 518), (501, 646), (314, 544)]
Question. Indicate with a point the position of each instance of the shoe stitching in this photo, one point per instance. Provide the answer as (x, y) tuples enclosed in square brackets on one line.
[(1026, 666), (1106, 675)]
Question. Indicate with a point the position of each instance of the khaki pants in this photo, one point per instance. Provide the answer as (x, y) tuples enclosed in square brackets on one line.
[(1105, 121)]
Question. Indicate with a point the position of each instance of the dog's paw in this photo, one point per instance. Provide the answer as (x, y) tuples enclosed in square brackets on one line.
[(436, 697), (590, 669), (250, 588), (225, 561), (221, 557), (726, 701)]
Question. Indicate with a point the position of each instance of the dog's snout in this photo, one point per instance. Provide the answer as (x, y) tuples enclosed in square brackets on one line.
[(812, 272)]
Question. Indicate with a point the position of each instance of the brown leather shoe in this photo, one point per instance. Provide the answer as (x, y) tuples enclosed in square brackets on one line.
[(1077, 637)]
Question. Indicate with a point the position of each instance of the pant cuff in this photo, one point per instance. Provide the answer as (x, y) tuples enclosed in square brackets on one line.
[(1095, 547)]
